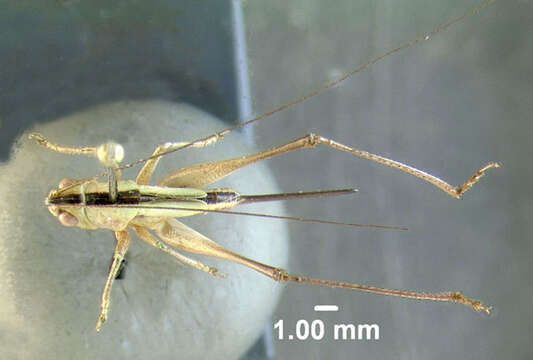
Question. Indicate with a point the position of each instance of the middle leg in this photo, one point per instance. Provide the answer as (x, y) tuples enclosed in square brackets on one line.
[(147, 170), (146, 236)]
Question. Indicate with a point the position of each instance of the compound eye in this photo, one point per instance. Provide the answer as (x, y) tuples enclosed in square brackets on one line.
[(66, 182), (67, 219)]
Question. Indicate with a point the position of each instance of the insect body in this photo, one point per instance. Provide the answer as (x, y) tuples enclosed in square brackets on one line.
[(90, 206), (143, 208)]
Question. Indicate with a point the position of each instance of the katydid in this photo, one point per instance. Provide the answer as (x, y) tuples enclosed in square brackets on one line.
[(151, 210)]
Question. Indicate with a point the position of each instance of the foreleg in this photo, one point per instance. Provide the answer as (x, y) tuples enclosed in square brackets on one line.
[(123, 242)]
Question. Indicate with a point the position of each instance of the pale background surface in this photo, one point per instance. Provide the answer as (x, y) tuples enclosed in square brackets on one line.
[(53, 276)]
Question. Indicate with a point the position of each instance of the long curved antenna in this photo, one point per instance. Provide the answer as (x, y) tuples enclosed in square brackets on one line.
[(218, 135)]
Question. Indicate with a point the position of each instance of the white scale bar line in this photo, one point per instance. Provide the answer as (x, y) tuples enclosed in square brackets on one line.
[(326, 308)]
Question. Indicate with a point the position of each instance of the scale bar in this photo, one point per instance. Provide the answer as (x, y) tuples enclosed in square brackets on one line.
[(326, 308)]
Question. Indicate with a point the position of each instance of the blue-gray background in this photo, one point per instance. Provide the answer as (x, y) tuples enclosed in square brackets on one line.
[(447, 106)]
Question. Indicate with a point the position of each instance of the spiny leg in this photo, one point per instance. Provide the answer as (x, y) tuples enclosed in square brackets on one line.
[(152, 240), (448, 296), (149, 166), (123, 242), (181, 236), (203, 174)]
